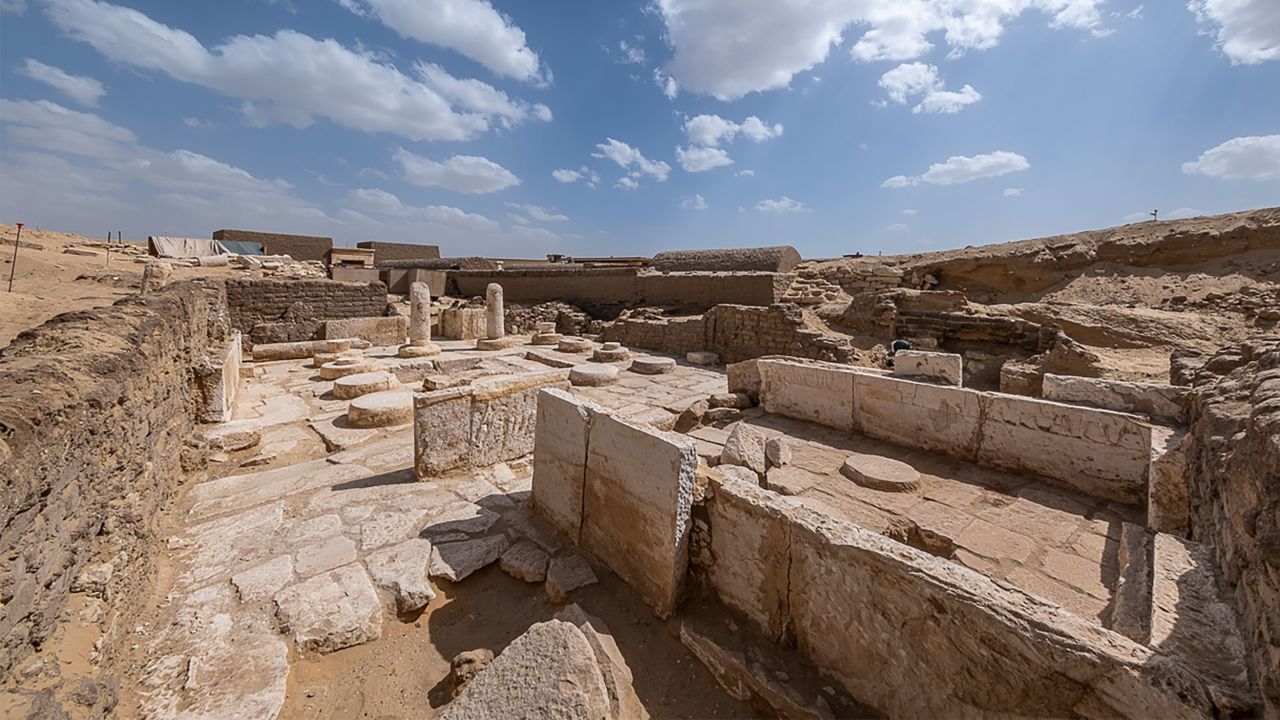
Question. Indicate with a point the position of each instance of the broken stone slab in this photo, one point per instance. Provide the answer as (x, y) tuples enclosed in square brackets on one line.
[(332, 611), (624, 704), (745, 447), (354, 386), (323, 556), (549, 360), (402, 571), (566, 574), (722, 416), (265, 580), (343, 367), (777, 452), (880, 473), (739, 400), (525, 561), (454, 561), (945, 368), (702, 357), (653, 366), (593, 375), (656, 418), (233, 436), (381, 409), (691, 416), (548, 672), (267, 352)]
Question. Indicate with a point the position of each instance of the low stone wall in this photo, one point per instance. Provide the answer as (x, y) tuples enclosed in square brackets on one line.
[(490, 421), (298, 247), (1233, 457), (734, 332), (623, 491), (856, 276), (1100, 452), (383, 331), (914, 635), (95, 408), (603, 288), (777, 259), (293, 310), (1161, 402)]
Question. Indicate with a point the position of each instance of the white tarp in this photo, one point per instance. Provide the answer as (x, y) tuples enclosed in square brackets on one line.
[(176, 247)]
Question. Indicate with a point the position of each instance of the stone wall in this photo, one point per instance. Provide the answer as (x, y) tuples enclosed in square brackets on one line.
[(604, 289), (866, 275), (95, 408), (1099, 452), (623, 491), (1160, 401), (272, 311), (400, 251), (217, 380), (382, 331), (734, 332), (1234, 474), (777, 259), (298, 247), (914, 635), (490, 421)]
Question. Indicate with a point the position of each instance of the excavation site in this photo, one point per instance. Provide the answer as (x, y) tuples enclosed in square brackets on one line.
[(269, 476)]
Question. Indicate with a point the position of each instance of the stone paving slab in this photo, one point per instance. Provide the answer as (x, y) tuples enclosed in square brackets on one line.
[(331, 611)]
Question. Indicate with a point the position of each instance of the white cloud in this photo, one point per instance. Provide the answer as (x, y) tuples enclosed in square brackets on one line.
[(470, 27), (463, 173), (745, 173), (697, 202), (590, 177), (728, 48), (197, 123), (631, 54), (1248, 31), (628, 157), (522, 220), (1242, 158), (668, 84), (711, 129), (381, 202), (480, 97), (1012, 192), (81, 89), (290, 77), (701, 159), (539, 213), (897, 227), (921, 80), (961, 169), (909, 212), (783, 204), (627, 182), (49, 126)]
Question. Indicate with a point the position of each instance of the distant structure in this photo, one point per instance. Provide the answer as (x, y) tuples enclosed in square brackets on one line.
[(1155, 214), (400, 251), (298, 247), (780, 259)]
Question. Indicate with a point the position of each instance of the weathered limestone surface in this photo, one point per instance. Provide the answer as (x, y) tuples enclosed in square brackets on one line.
[(217, 381), (467, 323), (266, 352), (945, 368), (880, 473), (566, 574), (402, 570), (1168, 492), (653, 366), (353, 386), (331, 611), (560, 459), (638, 496), (1131, 610), (935, 417), (419, 314), (383, 331), (381, 409), (624, 704), (550, 671), (745, 447), (441, 430), (1162, 402), (817, 393), (495, 313), (455, 561), (525, 561), (593, 375)]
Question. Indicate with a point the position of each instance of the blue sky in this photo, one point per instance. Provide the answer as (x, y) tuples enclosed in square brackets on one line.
[(518, 129)]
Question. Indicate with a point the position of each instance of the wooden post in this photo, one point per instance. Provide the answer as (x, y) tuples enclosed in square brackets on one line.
[(14, 269)]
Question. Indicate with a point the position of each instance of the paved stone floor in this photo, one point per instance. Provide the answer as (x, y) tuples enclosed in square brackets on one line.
[(321, 531), (1054, 543)]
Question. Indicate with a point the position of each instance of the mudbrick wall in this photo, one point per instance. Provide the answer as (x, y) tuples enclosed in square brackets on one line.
[(734, 332), (298, 247), (269, 311), (600, 290), (1234, 468), (95, 409)]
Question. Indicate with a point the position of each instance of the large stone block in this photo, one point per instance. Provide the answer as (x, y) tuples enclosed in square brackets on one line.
[(1099, 452), (462, 323), (945, 368), (638, 496), (560, 459), (389, 330), (918, 414), (817, 393), (441, 431), (503, 415), (217, 381), (1168, 490), (1162, 402)]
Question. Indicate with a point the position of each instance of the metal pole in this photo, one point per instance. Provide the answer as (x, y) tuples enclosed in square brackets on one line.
[(14, 269)]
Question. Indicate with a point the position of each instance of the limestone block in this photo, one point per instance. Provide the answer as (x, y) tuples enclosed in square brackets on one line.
[(454, 561), (1131, 611), (331, 611), (499, 343), (566, 574), (653, 366), (525, 561), (353, 386), (623, 702), (325, 555), (917, 414), (402, 571), (1099, 452), (1168, 493), (945, 368), (381, 409), (379, 331), (503, 415), (263, 581), (466, 323), (441, 431), (574, 345), (559, 459), (551, 338), (1161, 402), (545, 326), (217, 380), (745, 447), (777, 452), (593, 375), (702, 357), (550, 671), (343, 367), (817, 393), (638, 496), (232, 436), (739, 400), (266, 352), (611, 354)]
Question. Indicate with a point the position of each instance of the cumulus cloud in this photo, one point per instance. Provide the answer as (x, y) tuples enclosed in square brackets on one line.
[(589, 177), (728, 48), (630, 53), (539, 213), (711, 129), (701, 159), (1012, 192), (1242, 158), (783, 204), (921, 80), (81, 89), (1246, 31), (634, 161), (472, 28), (697, 202), (463, 173), (961, 169), (292, 78), (745, 173)]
